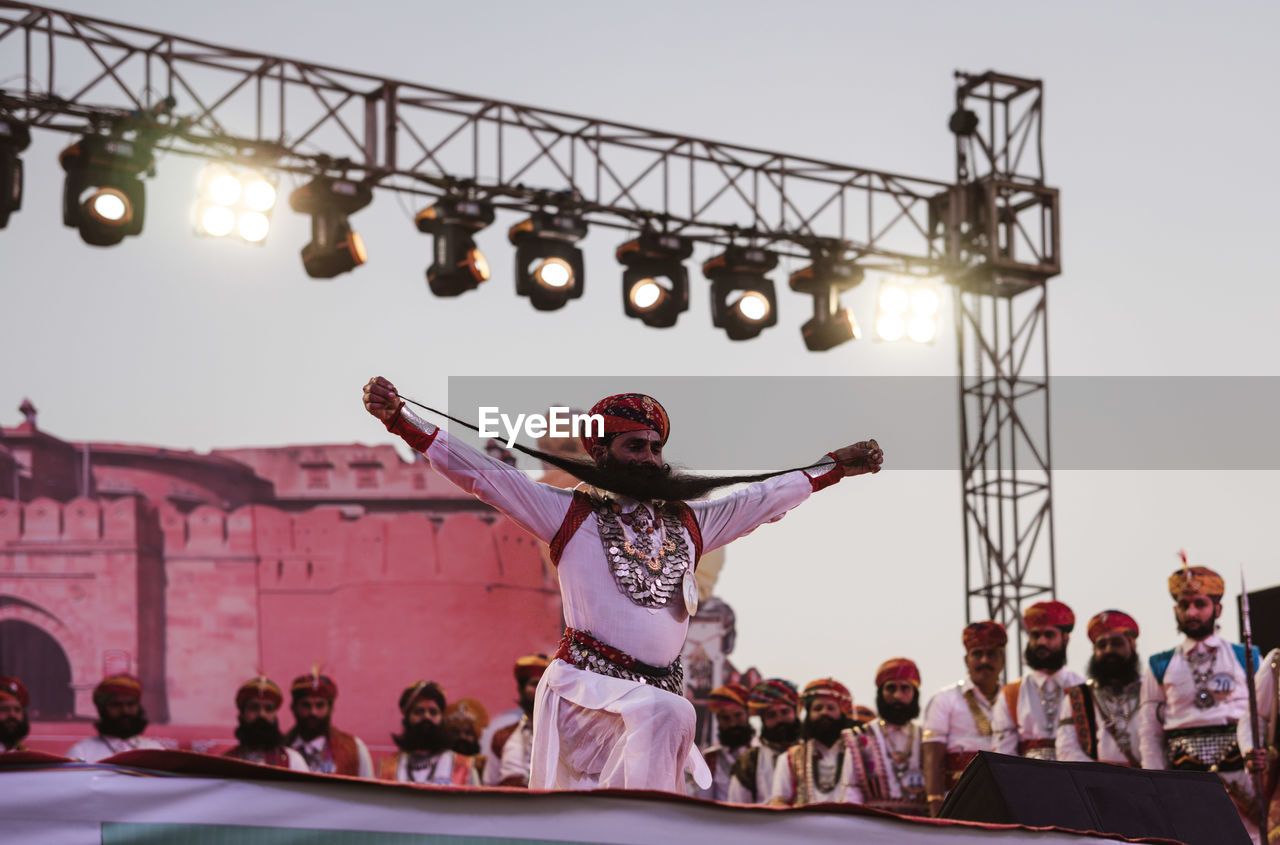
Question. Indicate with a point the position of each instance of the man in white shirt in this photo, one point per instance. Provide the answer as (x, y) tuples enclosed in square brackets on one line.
[(1027, 711), (258, 727), (892, 776), (425, 754), (325, 748), (824, 768), (610, 710), (1194, 695), (121, 721), (1098, 720), (514, 728), (14, 726), (958, 719), (1265, 759), (728, 704), (776, 702)]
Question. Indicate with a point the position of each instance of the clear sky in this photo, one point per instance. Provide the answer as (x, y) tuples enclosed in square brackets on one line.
[(1160, 130)]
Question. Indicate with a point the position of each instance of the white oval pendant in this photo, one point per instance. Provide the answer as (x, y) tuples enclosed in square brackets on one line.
[(690, 592)]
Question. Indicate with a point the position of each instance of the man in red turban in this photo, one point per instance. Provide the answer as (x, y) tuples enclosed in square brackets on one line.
[(513, 741), (729, 704), (1194, 695), (13, 714), (1099, 718), (610, 709), (121, 721), (1026, 715), (825, 767), (325, 748), (258, 727), (777, 704), (892, 776), (957, 720)]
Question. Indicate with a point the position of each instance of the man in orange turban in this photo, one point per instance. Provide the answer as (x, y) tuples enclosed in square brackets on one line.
[(1194, 695), (325, 748), (776, 702), (13, 714), (258, 727), (1026, 714), (822, 768), (121, 721), (957, 720), (1099, 718), (728, 704), (513, 741), (892, 777), (611, 710)]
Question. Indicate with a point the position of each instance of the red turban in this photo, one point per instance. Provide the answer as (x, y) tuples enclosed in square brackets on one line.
[(11, 687), (828, 688), (531, 666), (1111, 620), (1190, 580), (422, 689), (728, 697), (314, 684), (1049, 614), (863, 714), (773, 691), (628, 412), (260, 688), (118, 686), (898, 669), (986, 634)]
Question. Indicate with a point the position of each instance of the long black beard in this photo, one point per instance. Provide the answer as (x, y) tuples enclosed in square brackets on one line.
[(647, 483), (895, 712), (122, 727), (1114, 670), (782, 734), (310, 727), (825, 729), (13, 731), (423, 736), (260, 733), (1196, 629), (735, 737), (466, 746), (1051, 662)]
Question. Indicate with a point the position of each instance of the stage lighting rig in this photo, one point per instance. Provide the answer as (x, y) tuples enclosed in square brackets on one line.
[(234, 201), (14, 138), (335, 247), (548, 264), (907, 308), (825, 279), (655, 285), (458, 265), (743, 301), (103, 195)]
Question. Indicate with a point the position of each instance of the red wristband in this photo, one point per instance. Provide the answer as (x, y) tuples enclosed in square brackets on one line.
[(419, 441), (829, 477)]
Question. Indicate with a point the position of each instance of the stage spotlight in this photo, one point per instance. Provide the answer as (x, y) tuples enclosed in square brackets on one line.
[(548, 264), (14, 138), (103, 195), (458, 266), (907, 309), (743, 301), (334, 248), (825, 279), (233, 201), (655, 285)]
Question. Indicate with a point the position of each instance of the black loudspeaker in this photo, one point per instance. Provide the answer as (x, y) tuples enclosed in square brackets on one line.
[(1190, 807), (1264, 614)]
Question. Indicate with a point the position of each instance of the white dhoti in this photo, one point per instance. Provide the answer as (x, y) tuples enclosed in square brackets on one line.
[(592, 731)]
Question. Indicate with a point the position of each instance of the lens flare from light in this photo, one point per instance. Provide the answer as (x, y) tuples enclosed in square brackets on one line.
[(358, 252), (554, 273), (259, 194), (922, 329), (253, 226), (479, 266), (645, 294), (753, 306), (893, 299), (217, 221), (890, 327), (224, 189), (924, 302), (109, 205)]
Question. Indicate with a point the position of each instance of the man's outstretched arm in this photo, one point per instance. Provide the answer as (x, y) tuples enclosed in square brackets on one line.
[(537, 508)]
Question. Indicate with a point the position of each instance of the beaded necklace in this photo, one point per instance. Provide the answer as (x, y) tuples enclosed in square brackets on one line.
[(649, 569)]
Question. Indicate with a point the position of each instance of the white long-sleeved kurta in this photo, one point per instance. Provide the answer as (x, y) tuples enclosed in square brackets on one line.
[(767, 760), (630, 735), (1032, 722), (1067, 746)]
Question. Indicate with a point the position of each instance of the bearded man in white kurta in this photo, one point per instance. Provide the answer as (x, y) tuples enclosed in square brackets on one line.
[(609, 711)]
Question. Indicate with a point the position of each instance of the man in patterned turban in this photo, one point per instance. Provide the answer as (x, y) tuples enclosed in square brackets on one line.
[(513, 741), (258, 727), (1194, 695), (777, 704), (1026, 714), (957, 720), (13, 714), (325, 748), (729, 704), (610, 711), (121, 721), (822, 768), (1102, 712)]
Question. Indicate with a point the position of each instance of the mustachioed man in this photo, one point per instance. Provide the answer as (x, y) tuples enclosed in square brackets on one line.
[(1026, 714), (1099, 718), (776, 703)]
